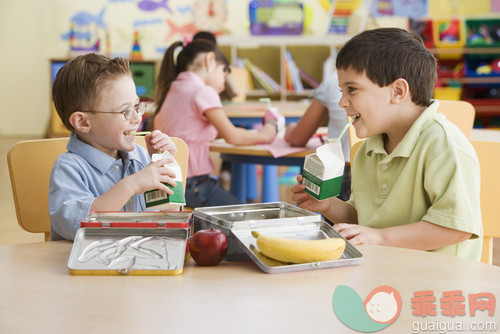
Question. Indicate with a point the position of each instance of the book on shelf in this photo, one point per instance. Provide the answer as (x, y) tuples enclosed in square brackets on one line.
[(262, 78), (307, 79), (294, 73), (288, 77)]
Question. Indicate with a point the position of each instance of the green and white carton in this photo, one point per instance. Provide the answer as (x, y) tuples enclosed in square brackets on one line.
[(160, 200), (323, 170)]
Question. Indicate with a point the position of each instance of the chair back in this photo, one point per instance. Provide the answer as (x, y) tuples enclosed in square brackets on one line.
[(30, 163), (488, 154), (460, 113)]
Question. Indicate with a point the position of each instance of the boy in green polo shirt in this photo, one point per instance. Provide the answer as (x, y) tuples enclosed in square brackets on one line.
[(415, 179)]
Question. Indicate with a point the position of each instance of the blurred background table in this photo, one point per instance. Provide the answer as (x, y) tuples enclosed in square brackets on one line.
[(243, 174)]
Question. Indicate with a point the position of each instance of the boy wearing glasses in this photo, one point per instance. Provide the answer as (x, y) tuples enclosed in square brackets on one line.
[(103, 169)]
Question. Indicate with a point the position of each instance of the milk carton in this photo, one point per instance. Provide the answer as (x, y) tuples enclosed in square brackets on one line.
[(160, 200), (272, 114), (323, 170)]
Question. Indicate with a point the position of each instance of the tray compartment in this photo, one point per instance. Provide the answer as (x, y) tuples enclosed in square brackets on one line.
[(304, 231)]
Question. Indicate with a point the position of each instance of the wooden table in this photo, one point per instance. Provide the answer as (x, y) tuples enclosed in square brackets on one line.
[(38, 295), (244, 180)]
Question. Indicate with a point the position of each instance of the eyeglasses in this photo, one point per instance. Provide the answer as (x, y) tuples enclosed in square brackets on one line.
[(128, 113)]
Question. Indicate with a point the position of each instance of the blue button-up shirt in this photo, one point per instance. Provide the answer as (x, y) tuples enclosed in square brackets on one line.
[(81, 175)]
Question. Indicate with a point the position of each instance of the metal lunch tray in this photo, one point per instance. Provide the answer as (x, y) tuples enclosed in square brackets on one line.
[(303, 230), (228, 217), (134, 251)]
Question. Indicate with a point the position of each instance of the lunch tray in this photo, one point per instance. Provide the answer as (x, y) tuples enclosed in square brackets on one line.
[(134, 251), (228, 217), (303, 230), (135, 243)]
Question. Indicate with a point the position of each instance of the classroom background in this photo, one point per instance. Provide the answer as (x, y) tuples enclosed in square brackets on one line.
[(37, 36), (34, 33)]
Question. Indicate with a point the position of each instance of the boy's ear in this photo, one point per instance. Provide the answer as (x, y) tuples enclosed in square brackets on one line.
[(400, 90), (80, 121), (210, 62)]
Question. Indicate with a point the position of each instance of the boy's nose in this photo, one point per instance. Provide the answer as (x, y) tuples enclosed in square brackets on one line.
[(343, 102)]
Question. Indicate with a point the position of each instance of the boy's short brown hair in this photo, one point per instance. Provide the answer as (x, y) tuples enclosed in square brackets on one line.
[(386, 54), (79, 81)]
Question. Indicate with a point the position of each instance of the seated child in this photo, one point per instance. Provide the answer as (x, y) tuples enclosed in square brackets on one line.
[(189, 107), (415, 179), (325, 105), (103, 169)]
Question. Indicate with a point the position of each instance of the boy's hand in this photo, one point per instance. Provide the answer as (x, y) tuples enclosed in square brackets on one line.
[(305, 201), (153, 176), (358, 235), (157, 141)]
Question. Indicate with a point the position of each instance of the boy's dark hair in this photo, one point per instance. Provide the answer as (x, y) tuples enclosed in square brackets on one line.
[(78, 82), (171, 66), (386, 54)]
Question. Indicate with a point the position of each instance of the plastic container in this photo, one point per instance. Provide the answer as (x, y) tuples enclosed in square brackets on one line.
[(447, 93), (448, 33), (482, 32)]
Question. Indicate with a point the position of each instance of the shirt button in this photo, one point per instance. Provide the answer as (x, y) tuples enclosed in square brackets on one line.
[(384, 186), (384, 166), (130, 200), (117, 168)]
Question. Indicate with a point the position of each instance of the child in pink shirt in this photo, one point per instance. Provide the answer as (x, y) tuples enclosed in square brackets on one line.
[(189, 107)]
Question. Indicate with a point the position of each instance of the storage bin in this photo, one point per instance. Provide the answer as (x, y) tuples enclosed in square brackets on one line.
[(483, 32), (448, 33), (447, 93), (482, 65)]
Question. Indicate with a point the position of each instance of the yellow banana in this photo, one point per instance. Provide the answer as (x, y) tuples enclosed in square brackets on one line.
[(266, 259), (299, 251)]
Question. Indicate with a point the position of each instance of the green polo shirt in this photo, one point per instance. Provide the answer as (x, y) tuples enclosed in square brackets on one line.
[(432, 175)]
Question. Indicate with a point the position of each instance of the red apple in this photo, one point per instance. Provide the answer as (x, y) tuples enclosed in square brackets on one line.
[(208, 247)]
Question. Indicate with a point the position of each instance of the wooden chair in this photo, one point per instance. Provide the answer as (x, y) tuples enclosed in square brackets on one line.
[(489, 160), (460, 113), (30, 163)]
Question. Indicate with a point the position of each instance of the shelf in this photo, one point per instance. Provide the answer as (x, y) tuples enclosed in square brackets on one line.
[(485, 107), (462, 51), (282, 40), (267, 53), (472, 80)]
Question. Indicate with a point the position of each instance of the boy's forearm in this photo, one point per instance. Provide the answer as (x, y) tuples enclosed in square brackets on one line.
[(421, 235), (340, 212)]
